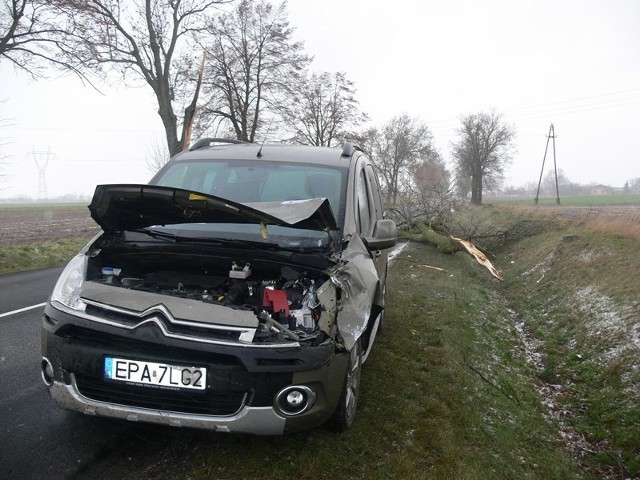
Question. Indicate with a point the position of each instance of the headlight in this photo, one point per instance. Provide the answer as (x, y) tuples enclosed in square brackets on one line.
[(69, 285)]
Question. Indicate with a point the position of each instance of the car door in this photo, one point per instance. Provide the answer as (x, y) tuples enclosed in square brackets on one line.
[(370, 210)]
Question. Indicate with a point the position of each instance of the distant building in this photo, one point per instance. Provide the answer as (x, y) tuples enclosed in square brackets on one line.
[(600, 190)]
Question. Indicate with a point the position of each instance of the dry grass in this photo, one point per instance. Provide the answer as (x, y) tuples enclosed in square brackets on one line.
[(614, 226), (619, 221)]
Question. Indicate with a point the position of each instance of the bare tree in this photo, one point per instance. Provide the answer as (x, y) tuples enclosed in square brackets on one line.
[(633, 185), (482, 151), (150, 40), (31, 36), (565, 185), (4, 158), (431, 174), (157, 156), (426, 193), (325, 110), (396, 149), (252, 67)]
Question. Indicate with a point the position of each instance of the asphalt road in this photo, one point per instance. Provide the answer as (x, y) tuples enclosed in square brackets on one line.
[(40, 441)]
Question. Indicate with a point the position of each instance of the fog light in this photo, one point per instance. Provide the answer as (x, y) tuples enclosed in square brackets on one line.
[(294, 400), (47, 371)]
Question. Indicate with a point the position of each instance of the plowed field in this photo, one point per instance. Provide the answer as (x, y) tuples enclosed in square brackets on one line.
[(41, 223)]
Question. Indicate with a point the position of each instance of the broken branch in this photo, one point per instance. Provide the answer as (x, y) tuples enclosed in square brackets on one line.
[(480, 257)]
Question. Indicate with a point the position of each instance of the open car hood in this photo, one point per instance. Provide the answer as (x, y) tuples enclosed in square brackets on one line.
[(132, 206)]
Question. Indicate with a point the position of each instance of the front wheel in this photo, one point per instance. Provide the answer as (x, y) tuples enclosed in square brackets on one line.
[(345, 412)]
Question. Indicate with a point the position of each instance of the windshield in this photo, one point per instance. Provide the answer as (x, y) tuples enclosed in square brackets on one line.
[(255, 181)]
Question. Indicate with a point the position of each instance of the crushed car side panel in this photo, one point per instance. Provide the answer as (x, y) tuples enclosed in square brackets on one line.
[(358, 281)]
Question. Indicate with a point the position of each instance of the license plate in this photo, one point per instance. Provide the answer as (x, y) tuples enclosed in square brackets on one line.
[(154, 374)]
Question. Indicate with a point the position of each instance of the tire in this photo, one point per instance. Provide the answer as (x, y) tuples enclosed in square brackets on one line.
[(345, 412)]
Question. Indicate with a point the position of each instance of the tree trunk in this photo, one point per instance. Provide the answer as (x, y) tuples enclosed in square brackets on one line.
[(476, 189), (169, 120), (170, 128)]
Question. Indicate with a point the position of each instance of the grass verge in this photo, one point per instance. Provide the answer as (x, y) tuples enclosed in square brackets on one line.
[(39, 255), (575, 290), (446, 394)]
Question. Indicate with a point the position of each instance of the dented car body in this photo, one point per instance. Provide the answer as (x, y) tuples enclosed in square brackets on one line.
[(240, 291)]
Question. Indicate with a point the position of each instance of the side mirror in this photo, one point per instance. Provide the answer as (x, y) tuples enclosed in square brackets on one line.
[(385, 235)]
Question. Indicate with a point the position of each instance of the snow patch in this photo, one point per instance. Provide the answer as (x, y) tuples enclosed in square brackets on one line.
[(588, 256), (606, 319), (397, 250), (541, 268), (550, 394)]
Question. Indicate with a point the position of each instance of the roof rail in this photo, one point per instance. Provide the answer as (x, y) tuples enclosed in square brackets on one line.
[(206, 142), (348, 148)]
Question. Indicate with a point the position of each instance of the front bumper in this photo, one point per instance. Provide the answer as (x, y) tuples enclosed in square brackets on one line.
[(256, 420), (243, 382)]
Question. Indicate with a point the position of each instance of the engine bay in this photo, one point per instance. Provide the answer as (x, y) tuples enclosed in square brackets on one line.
[(283, 298)]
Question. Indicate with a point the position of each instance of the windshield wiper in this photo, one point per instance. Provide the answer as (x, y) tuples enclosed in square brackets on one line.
[(258, 245), (175, 238), (240, 243), (155, 234)]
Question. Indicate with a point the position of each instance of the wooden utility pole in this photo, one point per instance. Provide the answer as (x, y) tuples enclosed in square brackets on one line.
[(552, 135)]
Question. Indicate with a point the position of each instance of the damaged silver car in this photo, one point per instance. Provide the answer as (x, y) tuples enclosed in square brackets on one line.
[(241, 290)]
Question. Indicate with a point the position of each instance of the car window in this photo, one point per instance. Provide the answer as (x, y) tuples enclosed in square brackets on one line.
[(374, 186), (363, 205)]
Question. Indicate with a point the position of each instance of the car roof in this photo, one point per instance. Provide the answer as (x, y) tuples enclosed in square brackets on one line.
[(269, 152)]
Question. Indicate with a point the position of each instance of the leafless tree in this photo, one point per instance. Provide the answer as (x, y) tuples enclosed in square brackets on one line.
[(633, 185), (148, 40), (4, 157), (431, 174), (482, 151), (324, 110), (396, 149), (3, 161), (565, 185), (32, 36), (426, 193), (157, 156), (252, 66)]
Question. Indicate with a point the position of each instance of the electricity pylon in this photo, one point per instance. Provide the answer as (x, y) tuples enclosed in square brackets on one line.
[(41, 160)]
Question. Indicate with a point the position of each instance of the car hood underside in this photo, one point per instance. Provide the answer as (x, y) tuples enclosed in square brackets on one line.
[(133, 206)]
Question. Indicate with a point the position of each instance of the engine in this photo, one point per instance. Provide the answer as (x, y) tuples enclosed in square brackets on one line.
[(284, 298)]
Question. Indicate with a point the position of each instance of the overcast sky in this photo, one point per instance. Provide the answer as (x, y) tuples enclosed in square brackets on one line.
[(575, 64)]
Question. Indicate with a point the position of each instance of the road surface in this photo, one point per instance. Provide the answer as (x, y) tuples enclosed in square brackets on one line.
[(40, 441)]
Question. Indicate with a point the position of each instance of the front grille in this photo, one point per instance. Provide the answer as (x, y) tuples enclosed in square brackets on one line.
[(141, 346), (231, 384), (203, 403), (131, 319)]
